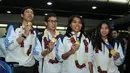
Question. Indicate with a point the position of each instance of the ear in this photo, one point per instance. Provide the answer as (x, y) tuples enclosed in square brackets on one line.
[(22, 15)]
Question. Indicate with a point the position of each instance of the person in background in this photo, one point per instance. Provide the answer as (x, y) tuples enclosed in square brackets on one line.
[(116, 37), (22, 44), (126, 52), (118, 40)]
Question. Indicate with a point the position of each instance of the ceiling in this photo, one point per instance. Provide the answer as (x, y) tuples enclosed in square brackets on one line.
[(64, 8)]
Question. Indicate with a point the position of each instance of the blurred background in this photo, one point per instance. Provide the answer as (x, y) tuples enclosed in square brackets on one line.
[(93, 11)]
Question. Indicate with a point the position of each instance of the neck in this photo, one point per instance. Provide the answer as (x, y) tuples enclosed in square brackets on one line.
[(76, 33), (53, 32), (24, 22), (104, 38)]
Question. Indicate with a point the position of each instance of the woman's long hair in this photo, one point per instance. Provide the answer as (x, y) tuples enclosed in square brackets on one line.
[(69, 29), (98, 38)]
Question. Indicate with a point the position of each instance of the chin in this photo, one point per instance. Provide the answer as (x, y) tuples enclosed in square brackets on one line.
[(29, 20), (77, 30), (53, 29), (104, 35)]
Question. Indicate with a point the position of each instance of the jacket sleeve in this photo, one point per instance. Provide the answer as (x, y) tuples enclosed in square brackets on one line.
[(10, 39), (59, 50)]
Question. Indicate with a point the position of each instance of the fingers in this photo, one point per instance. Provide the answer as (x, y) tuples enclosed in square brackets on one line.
[(51, 45), (28, 27), (117, 54), (74, 48)]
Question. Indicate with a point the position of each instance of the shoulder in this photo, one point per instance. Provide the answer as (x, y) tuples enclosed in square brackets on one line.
[(87, 38), (14, 26), (63, 38), (36, 33)]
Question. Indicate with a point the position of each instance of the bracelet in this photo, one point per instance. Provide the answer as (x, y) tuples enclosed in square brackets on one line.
[(23, 36), (47, 50)]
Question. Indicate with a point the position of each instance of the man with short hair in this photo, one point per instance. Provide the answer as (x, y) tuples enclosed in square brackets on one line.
[(50, 63), (22, 44)]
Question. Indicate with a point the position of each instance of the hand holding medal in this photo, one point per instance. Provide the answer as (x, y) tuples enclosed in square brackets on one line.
[(53, 40), (75, 45), (51, 44), (30, 23), (114, 53)]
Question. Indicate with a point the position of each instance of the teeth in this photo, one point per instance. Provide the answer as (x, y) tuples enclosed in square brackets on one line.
[(30, 16), (77, 27)]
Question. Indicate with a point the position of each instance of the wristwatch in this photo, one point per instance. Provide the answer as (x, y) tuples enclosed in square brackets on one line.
[(23, 36)]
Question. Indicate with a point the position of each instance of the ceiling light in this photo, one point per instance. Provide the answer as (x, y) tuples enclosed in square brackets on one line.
[(61, 28), (9, 12), (110, 19), (46, 14), (81, 16), (0, 0), (49, 3), (94, 7), (119, 1), (3, 25)]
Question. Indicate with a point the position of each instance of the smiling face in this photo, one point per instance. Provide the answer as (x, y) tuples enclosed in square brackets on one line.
[(27, 15), (104, 30), (51, 23), (76, 24)]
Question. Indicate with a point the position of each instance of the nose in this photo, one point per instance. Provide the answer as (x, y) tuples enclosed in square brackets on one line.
[(53, 22), (77, 23)]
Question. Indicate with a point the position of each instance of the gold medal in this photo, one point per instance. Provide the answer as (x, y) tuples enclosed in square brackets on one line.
[(30, 23), (53, 40), (77, 43), (113, 52)]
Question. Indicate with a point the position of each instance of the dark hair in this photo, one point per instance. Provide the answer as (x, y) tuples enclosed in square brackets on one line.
[(98, 39), (49, 15), (69, 29), (25, 8), (115, 30), (126, 36)]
